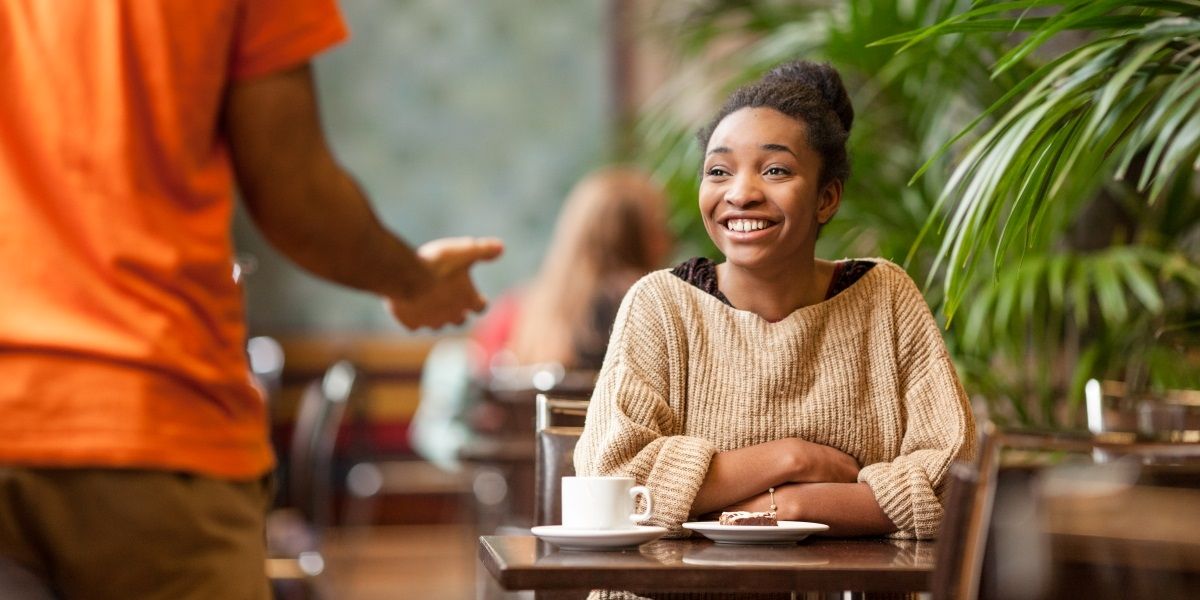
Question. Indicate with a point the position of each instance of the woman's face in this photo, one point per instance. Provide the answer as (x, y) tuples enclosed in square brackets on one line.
[(760, 194)]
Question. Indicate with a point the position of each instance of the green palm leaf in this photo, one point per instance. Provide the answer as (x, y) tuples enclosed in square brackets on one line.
[(1074, 116)]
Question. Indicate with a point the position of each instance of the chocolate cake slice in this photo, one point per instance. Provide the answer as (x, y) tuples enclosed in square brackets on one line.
[(744, 517)]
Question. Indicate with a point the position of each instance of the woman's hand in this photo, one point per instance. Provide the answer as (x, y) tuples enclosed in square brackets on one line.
[(784, 508), (818, 463), (744, 473), (848, 509)]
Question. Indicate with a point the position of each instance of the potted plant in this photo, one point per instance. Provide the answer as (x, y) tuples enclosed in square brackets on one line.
[(1032, 162)]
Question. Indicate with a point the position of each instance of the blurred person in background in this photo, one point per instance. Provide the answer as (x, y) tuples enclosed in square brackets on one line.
[(611, 231), (135, 459)]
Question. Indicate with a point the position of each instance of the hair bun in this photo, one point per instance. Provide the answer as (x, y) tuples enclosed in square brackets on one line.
[(821, 78)]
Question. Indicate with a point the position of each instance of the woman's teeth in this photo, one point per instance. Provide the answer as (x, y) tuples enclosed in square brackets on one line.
[(743, 225)]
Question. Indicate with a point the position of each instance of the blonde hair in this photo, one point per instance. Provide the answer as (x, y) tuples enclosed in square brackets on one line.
[(603, 241)]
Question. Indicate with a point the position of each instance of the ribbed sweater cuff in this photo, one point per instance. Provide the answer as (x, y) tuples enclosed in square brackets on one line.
[(891, 492), (927, 518), (677, 473), (915, 517)]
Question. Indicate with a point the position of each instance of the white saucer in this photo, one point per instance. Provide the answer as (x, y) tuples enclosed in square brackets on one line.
[(784, 532), (597, 539)]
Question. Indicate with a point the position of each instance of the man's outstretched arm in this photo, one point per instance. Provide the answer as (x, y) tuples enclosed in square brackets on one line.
[(309, 208)]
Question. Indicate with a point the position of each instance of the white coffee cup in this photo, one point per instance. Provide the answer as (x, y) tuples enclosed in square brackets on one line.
[(603, 502)]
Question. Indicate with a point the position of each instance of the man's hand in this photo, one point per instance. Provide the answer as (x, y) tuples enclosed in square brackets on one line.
[(450, 295)]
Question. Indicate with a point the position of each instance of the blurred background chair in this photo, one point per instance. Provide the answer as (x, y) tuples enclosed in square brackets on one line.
[(294, 533), (1112, 411), (558, 427), (503, 458), (1038, 516), (18, 582)]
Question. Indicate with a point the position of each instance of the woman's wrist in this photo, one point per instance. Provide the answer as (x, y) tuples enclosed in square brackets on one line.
[(799, 460), (850, 509), (818, 463), (789, 502)]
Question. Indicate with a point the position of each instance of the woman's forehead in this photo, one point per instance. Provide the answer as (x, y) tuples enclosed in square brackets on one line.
[(758, 127)]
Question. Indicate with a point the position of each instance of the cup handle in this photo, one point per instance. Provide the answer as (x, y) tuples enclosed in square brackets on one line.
[(644, 491)]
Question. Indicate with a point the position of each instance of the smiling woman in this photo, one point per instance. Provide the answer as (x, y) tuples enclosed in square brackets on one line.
[(826, 381), (774, 167)]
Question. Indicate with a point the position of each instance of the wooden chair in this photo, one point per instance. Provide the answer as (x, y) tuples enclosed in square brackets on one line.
[(559, 424), (963, 480), (18, 582), (504, 459), (963, 535), (294, 534), (1005, 532)]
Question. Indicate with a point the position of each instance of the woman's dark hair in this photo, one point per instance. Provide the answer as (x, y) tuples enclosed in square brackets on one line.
[(809, 92)]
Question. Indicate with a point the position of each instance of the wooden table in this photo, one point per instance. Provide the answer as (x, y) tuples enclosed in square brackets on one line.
[(813, 565)]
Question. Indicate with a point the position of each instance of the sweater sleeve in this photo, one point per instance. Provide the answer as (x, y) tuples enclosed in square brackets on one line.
[(939, 427), (631, 427)]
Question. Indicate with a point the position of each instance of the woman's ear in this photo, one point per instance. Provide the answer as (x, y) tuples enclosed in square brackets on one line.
[(829, 201)]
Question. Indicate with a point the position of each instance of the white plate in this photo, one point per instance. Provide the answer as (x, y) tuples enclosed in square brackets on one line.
[(597, 539), (784, 532)]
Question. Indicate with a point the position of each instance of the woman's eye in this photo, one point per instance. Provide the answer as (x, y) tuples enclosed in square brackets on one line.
[(777, 171), (716, 172)]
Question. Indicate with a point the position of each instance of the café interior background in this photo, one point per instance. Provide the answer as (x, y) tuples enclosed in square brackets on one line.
[(457, 118)]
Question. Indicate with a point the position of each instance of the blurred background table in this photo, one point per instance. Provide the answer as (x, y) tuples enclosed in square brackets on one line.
[(1056, 515)]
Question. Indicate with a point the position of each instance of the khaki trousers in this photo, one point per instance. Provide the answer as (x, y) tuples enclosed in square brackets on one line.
[(120, 534)]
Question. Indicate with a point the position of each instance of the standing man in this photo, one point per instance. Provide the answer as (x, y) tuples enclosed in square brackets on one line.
[(133, 448)]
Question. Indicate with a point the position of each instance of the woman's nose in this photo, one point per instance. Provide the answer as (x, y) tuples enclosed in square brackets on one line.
[(743, 191)]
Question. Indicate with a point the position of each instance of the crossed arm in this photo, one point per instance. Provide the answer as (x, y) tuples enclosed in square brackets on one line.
[(310, 208), (812, 482)]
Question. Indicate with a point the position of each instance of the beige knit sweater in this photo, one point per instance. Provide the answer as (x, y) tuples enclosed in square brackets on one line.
[(865, 372)]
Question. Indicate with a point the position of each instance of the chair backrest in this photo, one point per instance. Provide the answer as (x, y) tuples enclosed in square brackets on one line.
[(994, 544), (557, 411), (18, 582), (319, 418), (963, 480), (559, 423), (963, 538)]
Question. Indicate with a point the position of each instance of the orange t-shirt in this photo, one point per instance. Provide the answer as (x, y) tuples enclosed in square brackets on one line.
[(121, 329)]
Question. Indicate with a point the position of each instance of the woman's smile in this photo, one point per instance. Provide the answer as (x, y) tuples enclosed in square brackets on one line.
[(746, 228)]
